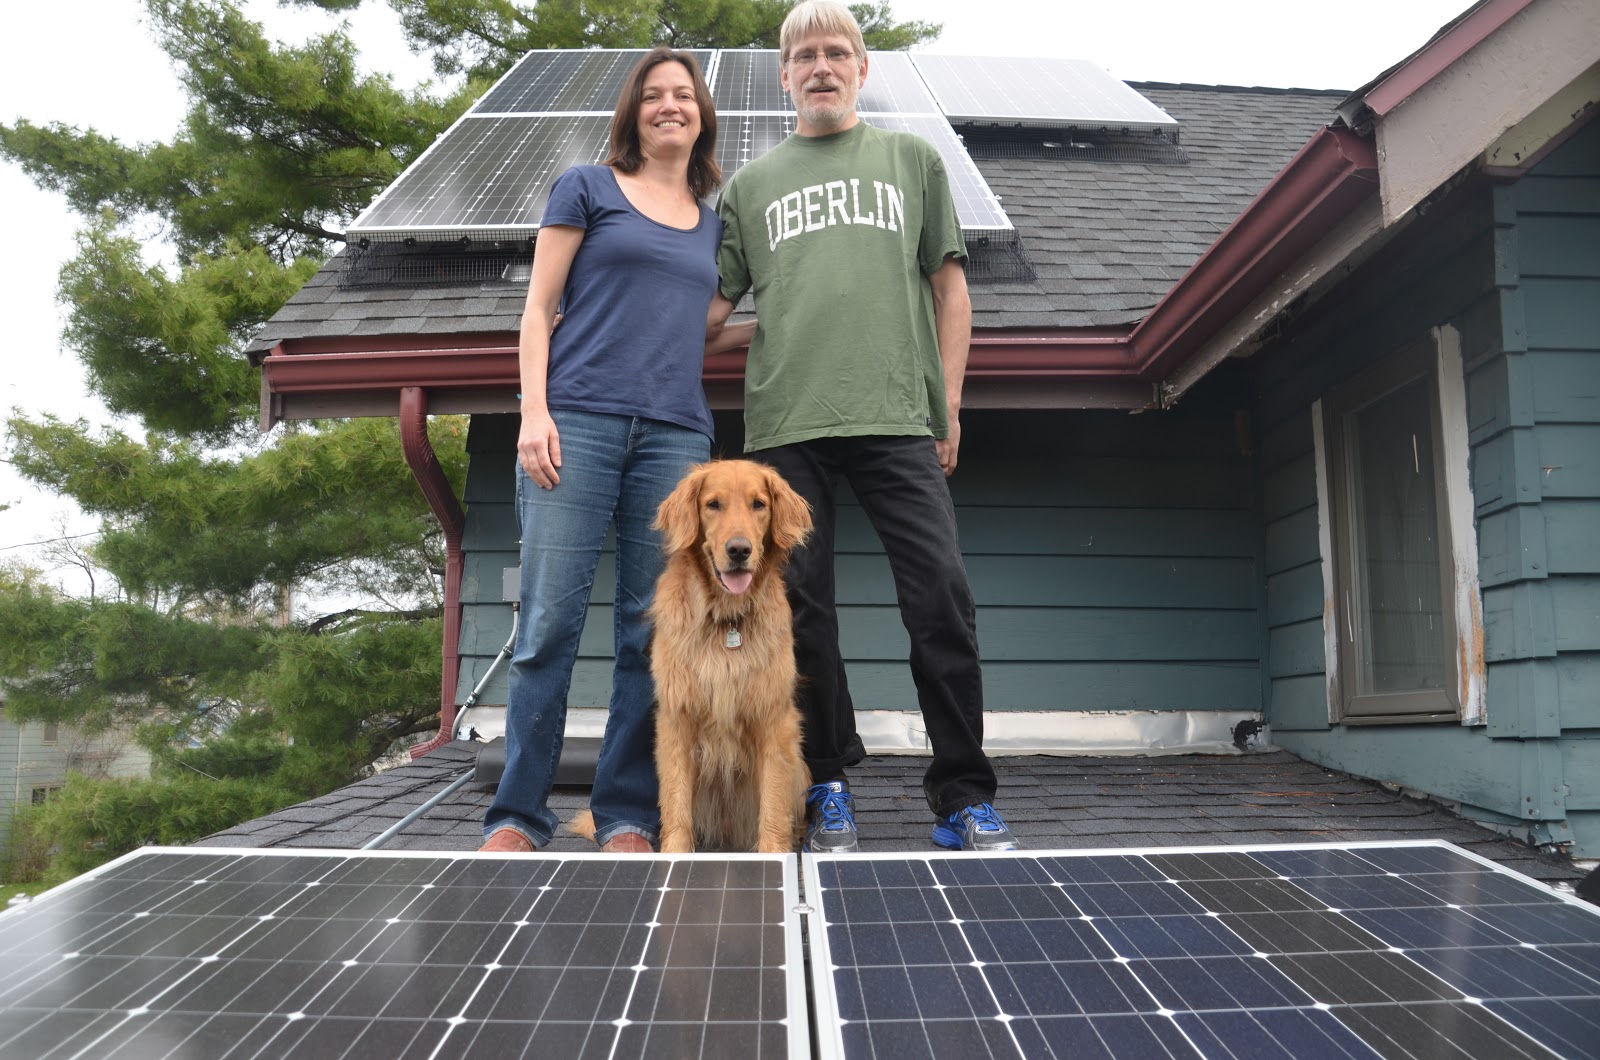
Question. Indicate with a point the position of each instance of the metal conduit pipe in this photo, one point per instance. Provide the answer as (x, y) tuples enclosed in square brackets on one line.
[(455, 785), (400, 825)]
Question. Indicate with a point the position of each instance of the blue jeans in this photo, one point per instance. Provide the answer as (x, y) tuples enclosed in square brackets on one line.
[(619, 467)]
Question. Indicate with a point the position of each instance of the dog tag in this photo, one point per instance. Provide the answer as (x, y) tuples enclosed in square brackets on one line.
[(732, 639)]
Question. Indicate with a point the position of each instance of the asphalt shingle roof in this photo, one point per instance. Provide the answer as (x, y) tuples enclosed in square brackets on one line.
[(1106, 239), (1052, 803)]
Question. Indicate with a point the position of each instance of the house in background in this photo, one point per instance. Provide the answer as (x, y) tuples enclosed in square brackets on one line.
[(36, 757), (1288, 417)]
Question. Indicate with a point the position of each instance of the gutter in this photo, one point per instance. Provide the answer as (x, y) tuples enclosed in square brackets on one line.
[(424, 465), (1334, 172)]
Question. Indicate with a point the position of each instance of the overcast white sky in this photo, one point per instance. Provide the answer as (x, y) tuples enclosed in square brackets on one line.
[(93, 63)]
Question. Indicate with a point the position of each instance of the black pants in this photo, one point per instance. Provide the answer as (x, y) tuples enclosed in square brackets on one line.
[(903, 491)]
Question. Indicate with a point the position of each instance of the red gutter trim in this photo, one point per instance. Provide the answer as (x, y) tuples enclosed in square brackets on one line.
[(1335, 170), (1435, 56), (995, 354), (442, 499), (289, 372)]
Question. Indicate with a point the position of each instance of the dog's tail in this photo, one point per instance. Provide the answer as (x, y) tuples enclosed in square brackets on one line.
[(582, 824)]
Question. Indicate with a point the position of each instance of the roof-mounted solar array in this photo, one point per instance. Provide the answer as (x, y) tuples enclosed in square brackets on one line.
[(1053, 93), (487, 178)]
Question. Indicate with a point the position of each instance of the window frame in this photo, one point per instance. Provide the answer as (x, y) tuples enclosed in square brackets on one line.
[(1454, 702)]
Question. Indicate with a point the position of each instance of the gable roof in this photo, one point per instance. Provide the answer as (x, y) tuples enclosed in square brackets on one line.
[(1105, 241)]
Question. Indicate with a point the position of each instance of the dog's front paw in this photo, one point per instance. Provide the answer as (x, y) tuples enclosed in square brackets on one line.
[(676, 843)]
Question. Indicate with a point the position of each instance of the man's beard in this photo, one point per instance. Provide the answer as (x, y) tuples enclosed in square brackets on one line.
[(825, 116)]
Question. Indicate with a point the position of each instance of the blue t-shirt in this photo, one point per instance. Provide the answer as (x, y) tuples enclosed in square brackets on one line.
[(633, 313)]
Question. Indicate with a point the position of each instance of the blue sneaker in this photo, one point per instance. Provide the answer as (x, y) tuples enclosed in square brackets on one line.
[(974, 828), (830, 823)]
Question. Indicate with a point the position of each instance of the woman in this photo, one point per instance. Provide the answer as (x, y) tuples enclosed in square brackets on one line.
[(613, 413)]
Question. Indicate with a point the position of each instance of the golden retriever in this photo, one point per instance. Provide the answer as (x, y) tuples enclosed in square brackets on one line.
[(722, 655)]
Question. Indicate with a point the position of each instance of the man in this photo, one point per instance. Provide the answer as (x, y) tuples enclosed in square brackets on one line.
[(848, 237)]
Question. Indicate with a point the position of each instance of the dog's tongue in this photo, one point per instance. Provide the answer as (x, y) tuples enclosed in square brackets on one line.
[(737, 581)]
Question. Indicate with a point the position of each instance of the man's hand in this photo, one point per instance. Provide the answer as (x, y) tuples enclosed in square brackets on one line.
[(948, 446)]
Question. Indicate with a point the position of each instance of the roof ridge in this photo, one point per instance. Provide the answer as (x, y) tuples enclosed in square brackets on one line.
[(1265, 90)]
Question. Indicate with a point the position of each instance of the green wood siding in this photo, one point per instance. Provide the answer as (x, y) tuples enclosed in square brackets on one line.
[(1516, 270), (1114, 560)]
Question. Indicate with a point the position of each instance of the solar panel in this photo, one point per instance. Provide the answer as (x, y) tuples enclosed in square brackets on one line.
[(1392, 950), (744, 137), (555, 80), (219, 953), (1066, 93), (894, 87), (977, 207), (487, 178), (747, 81)]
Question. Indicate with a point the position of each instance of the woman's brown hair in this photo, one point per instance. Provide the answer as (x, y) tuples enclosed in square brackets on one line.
[(626, 154)]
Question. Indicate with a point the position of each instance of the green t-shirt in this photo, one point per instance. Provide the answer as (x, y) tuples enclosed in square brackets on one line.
[(836, 236)]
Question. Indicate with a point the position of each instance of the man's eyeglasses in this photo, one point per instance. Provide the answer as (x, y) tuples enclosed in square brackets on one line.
[(835, 57)]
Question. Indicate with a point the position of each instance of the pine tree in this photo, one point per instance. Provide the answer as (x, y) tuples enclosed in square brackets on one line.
[(206, 526)]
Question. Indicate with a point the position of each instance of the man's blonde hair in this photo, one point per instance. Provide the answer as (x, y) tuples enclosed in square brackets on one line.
[(820, 16)]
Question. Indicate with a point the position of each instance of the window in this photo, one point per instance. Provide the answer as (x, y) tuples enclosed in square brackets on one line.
[(1395, 578), (52, 732), (44, 792)]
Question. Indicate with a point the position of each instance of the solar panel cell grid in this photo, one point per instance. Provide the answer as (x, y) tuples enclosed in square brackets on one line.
[(367, 955), (894, 87), (1206, 953), (487, 178), (747, 81), (487, 175), (1036, 91), (567, 80)]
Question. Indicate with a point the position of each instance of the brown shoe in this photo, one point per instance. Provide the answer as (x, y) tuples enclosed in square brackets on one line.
[(506, 841), (627, 843)]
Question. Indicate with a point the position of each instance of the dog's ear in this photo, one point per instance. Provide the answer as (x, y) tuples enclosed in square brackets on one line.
[(791, 515), (678, 518)]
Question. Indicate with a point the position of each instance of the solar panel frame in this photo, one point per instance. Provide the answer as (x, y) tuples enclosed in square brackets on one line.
[(1046, 92), (1007, 955), (230, 952)]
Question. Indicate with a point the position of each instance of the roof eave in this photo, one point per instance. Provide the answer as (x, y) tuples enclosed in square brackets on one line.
[(1397, 84), (1329, 177)]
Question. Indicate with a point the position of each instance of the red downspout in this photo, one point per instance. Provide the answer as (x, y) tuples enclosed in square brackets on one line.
[(442, 499)]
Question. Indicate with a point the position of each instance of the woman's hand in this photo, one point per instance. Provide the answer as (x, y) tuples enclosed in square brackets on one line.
[(539, 448)]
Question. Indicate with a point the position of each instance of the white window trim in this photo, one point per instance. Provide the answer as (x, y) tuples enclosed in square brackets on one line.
[(1466, 592)]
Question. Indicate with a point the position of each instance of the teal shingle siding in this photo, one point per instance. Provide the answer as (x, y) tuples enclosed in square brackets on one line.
[(1516, 269), (1113, 559)]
